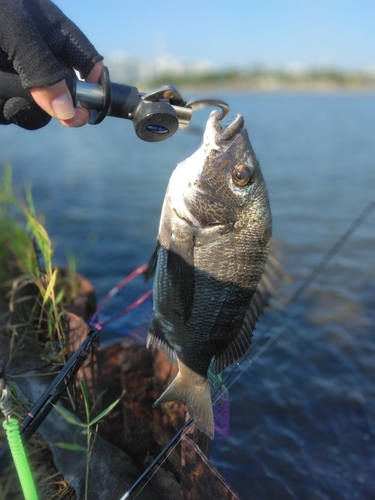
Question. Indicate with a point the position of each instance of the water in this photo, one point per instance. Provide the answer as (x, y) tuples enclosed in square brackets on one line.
[(302, 416)]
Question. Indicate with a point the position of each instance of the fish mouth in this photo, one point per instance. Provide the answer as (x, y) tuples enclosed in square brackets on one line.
[(224, 135), (193, 197)]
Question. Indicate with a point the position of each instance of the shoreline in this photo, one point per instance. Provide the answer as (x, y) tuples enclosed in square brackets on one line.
[(261, 85), (278, 89)]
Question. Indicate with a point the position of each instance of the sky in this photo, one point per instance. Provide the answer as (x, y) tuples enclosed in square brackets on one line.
[(233, 33)]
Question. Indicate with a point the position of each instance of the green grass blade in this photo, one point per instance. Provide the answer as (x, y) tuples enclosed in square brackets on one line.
[(71, 446), (68, 417), (105, 412)]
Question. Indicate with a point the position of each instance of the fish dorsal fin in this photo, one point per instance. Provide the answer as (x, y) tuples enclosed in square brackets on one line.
[(183, 276), (240, 344), (150, 271), (156, 339), (265, 289)]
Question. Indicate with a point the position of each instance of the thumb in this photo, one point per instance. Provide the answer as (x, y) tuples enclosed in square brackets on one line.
[(55, 100)]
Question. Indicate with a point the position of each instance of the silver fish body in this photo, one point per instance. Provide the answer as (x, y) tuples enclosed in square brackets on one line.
[(213, 241)]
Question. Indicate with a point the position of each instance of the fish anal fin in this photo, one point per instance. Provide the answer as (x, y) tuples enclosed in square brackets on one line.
[(194, 389)]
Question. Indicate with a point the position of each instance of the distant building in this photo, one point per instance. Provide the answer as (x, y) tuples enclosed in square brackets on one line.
[(125, 69)]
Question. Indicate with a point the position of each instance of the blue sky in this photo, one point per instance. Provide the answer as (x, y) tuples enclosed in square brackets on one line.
[(338, 33)]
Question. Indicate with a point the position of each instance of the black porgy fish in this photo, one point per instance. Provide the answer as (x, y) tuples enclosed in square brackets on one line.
[(213, 241)]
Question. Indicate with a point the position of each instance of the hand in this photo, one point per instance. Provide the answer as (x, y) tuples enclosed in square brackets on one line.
[(43, 46), (57, 101)]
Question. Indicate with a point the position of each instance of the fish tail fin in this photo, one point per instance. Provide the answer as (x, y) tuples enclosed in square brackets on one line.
[(194, 389)]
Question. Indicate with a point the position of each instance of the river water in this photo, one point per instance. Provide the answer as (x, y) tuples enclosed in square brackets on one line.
[(302, 415)]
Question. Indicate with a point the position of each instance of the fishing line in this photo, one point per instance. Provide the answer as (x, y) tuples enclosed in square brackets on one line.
[(363, 216), (252, 360), (163, 455), (334, 250)]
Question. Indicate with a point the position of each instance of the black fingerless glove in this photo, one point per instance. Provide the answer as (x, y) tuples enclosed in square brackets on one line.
[(40, 44)]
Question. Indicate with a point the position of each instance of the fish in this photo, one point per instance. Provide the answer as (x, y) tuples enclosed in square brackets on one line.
[(213, 240)]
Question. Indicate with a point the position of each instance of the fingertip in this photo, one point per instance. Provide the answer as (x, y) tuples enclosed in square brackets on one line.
[(94, 75), (62, 107), (55, 100), (80, 118)]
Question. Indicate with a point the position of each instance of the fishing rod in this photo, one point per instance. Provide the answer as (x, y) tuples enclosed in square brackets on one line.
[(334, 250), (46, 402), (52, 394)]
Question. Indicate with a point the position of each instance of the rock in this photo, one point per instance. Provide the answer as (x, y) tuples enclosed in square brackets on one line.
[(133, 433)]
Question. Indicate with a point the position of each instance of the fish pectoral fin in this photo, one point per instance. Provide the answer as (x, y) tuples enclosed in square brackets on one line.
[(195, 390), (150, 271), (155, 338)]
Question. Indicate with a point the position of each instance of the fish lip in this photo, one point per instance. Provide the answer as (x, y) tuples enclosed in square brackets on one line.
[(230, 132)]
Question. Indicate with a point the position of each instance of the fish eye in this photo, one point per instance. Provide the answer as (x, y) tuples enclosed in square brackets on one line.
[(242, 175)]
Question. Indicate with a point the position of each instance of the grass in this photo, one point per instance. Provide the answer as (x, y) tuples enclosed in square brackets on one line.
[(50, 483), (86, 428), (23, 243), (36, 295)]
